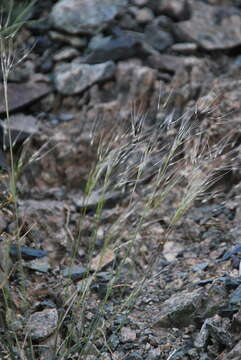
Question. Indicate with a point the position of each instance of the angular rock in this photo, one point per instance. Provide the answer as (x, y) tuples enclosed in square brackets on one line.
[(211, 27), (120, 47), (230, 282), (169, 63), (27, 253), (21, 126), (228, 254), (135, 85), (75, 272), (74, 78), (200, 267), (142, 85), (135, 44), (215, 299), (180, 310), (40, 265), (20, 95), (171, 249), (98, 41), (215, 329), (91, 202), (84, 16), (66, 53), (42, 324), (106, 257)]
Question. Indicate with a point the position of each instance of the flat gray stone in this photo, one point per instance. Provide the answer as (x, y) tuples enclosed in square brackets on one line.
[(20, 95), (74, 78), (84, 16)]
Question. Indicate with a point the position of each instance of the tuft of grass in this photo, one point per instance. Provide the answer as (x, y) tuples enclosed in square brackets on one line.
[(124, 163)]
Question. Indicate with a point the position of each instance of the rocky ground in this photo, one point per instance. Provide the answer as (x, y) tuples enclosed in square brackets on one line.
[(96, 65)]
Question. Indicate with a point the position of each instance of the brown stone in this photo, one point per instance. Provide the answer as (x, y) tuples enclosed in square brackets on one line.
[(136, 85)]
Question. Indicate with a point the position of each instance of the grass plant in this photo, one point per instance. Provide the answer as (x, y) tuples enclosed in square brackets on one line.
[(12, 17), (144, 171), (113, 165)]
